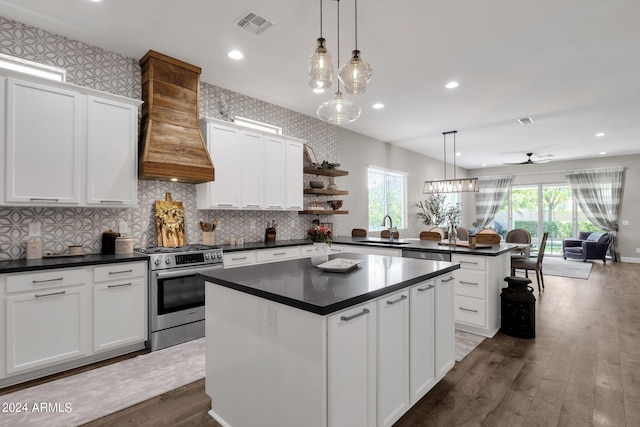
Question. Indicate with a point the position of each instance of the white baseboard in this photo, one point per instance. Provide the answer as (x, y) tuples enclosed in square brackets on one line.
[(629, 259)]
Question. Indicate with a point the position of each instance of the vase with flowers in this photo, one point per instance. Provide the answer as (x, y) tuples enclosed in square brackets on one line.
[(320, 235)]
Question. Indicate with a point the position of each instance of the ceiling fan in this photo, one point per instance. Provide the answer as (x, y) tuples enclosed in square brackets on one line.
[(529, 161)]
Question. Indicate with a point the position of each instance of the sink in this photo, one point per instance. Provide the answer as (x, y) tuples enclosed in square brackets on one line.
[(382, 242)]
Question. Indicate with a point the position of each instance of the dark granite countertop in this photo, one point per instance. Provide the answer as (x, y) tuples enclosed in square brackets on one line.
[(297, 283), (424, 245), (22, 265), (249, 246)]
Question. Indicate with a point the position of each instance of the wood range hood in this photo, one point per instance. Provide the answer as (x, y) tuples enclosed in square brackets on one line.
[(171, 147)]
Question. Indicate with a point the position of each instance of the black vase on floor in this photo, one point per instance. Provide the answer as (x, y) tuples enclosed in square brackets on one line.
[(518, 308)]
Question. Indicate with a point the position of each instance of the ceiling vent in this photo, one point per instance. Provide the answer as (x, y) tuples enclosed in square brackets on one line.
[(525, 121), (253, 23)]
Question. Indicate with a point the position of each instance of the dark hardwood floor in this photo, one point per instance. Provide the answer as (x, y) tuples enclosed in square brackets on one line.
[(582, 369)]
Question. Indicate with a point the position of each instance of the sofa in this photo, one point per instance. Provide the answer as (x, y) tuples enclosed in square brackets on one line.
[(588, 245)]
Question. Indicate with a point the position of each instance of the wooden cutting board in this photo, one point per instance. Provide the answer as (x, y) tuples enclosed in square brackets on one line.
[(170, 222)]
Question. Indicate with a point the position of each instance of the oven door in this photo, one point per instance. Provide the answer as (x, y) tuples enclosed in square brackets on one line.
[(176, 297)]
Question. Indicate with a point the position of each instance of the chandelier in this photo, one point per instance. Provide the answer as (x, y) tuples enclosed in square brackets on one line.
[(321, 65), (355, 74), (455, 185)]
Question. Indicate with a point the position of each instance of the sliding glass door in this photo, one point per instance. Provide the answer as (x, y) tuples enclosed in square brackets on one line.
[(557, 211)]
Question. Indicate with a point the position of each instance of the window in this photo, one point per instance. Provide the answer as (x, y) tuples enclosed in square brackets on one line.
[(9, 62), (387, 196), (254, 124)]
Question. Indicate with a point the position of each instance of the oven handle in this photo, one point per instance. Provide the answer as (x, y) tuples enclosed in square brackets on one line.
[(177, 272)]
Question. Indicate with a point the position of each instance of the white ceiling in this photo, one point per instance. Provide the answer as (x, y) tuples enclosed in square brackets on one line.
[(571, 65)]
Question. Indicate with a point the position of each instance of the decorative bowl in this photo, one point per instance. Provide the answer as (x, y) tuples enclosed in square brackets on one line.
[(316, 184), (335, 204)]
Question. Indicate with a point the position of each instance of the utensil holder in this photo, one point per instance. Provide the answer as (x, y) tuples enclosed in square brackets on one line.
[(208, 238), (34, 250)]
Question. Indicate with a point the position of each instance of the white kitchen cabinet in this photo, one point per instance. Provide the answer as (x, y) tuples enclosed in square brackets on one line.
[(253, 167), (112, 136), (44, 145), (374, 250), (46, 319), (477, 292), (277, 254), (119, 305), (293, 175), (223, 143), (421, 340), (444, 325), (351, 359), (238, 259), (393, 357), (276, 176)]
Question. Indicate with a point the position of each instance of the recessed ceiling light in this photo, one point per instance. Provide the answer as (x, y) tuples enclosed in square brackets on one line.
[(452, 85), (602, 153), (600, 134), (235, 54), (378, 105), (96, 1)]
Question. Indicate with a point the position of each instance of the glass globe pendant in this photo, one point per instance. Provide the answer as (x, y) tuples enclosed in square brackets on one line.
[(321, 68), (355, 74), (338, 111)]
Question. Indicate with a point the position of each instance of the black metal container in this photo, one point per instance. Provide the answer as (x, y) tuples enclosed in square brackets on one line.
[(109, 242), (518, 308)]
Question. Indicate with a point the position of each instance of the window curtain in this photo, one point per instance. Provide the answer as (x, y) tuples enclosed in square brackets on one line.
[(599, 193), (489, 198)]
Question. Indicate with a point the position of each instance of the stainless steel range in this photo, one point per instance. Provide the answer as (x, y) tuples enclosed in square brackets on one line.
[(176, 298)]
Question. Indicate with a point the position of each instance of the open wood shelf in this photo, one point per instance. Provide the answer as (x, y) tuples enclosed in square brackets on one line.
[(322, 212), (322, 191), (324, 172)]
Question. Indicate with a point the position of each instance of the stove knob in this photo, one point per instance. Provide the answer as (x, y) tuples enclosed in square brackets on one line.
[(156, 262), (167, 261), (219, 256), (207, 256)]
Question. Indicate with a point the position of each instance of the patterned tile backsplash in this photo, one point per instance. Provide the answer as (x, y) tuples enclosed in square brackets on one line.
[(110, 72)]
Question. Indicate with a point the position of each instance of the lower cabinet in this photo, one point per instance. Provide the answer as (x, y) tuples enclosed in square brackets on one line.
[(445, 335), (421, 340), (351, 358)]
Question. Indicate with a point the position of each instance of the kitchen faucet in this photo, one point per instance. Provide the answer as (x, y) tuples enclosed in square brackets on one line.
[(392, 229)]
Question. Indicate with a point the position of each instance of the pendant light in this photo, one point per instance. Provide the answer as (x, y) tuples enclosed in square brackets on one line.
[(463, 185), (356, 74), (321, 65), (338, 111)]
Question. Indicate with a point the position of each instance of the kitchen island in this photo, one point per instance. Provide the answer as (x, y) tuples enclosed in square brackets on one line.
[(291, 344)]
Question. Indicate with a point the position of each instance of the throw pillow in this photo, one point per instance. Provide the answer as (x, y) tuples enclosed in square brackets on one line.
[(594, 237)]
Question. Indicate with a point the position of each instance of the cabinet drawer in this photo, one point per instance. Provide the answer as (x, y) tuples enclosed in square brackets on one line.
[(470, 310), (470, 262), (471, 283), (336, 249), (46, 279), (278, 254), (119, 271), (236, 259), (307, 251)]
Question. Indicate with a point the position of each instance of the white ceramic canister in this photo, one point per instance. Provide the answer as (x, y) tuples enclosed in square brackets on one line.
[(34, 249), (124, 245)]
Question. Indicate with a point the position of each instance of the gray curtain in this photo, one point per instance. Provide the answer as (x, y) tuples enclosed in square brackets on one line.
[(599, 193), (489, 198)]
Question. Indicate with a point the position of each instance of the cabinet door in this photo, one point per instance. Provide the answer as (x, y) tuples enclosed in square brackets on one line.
[(275, 172), (223, 144), (43, 144), (112, 178), (393, 357), (444, 325), (119, 314), (253, 170), (45, 328), (352, 367), (421, 339), (294, 177)]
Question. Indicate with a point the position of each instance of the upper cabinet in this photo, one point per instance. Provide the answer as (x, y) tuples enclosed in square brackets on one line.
[(254, 170), (66, 146)]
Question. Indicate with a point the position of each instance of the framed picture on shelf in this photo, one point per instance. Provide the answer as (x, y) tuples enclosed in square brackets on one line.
[(310, 155)]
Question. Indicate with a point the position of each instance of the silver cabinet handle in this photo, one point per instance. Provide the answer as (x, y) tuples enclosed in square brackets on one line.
[(253, 205), (57, 279), (239, 258), (120, 272), (469, 283), (468, 309), (335, 250), (468, 262), (112, 202), (280, 253), (275, 206), (448, 280), (120, 286), (42, 199), (425, 289), (362, 313), (402, 298), (51, 294), (225, 205)]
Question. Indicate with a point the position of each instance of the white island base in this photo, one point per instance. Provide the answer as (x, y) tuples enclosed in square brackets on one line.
[(270, 364)]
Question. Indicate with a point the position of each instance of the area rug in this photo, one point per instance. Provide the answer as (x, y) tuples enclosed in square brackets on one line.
[(90, 395), (555, 266), (465, 343)]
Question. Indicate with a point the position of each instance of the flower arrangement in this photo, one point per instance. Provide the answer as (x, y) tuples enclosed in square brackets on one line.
[(319, 234)]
